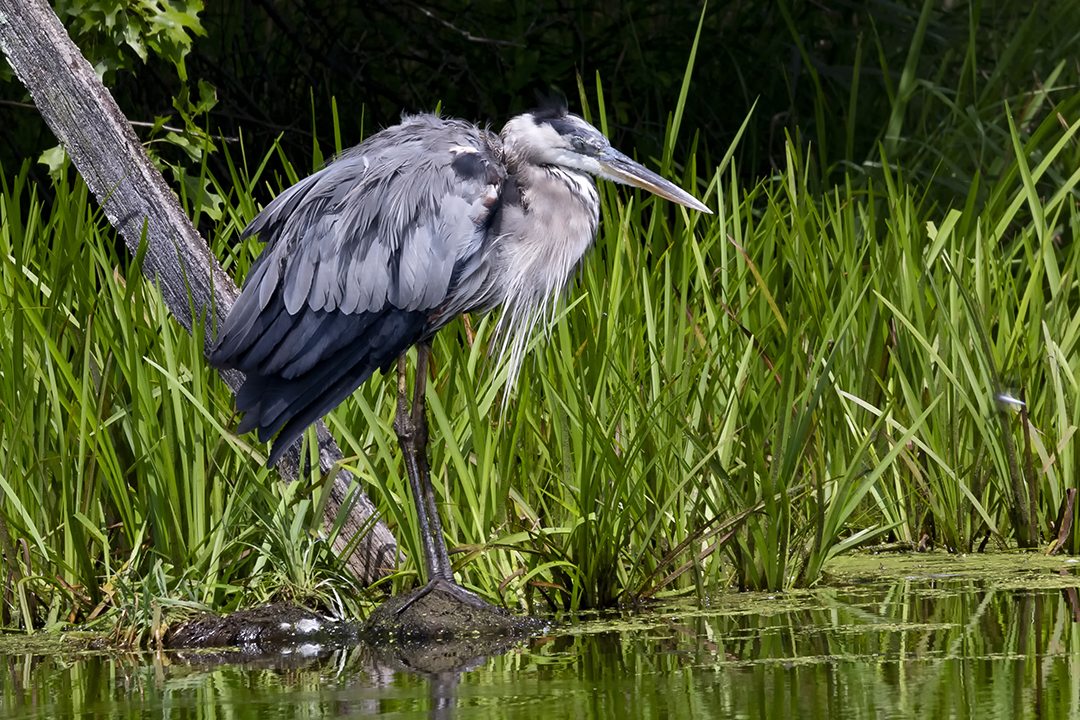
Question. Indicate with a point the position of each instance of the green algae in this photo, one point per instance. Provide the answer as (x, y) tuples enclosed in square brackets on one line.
[(1013, 570), (49, 643), (928, 635)]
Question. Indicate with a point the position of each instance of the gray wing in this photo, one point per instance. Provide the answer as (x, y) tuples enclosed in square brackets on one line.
[(362, 260)]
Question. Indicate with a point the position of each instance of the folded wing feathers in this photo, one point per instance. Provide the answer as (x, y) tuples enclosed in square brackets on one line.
[(359, 259)]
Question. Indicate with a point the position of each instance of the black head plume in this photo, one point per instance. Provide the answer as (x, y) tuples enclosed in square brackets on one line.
[(550, 105)]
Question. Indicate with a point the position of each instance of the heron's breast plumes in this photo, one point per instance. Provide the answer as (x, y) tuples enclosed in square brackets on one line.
[(539, 254)]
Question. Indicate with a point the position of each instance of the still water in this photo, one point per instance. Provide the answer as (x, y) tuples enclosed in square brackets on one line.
[(900, 638)]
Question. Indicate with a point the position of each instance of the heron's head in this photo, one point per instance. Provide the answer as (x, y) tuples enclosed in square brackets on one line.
[(551, 135)]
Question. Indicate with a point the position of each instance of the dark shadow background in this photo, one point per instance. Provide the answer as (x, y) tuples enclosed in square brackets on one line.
[(277, 65)]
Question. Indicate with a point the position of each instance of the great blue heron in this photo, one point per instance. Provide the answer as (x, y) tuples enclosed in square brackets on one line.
[(398, 236)]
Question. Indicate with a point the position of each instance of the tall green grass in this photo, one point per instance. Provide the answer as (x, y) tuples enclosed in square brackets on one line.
[(737, 399), (121, 489), (724, 401), (734, 400)]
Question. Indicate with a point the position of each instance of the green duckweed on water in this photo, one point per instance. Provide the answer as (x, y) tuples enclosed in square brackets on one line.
[(894, 636)]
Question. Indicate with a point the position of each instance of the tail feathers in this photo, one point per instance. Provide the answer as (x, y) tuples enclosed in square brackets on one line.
[(274, 342), (333, 396), (270, 401), (302, 351), (237, 336), (247, 321), (339, 357)]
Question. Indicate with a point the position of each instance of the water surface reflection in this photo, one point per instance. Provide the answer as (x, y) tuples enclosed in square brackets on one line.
[(920, 646)]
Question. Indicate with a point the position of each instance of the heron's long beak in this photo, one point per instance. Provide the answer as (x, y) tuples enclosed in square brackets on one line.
[(619, 168)]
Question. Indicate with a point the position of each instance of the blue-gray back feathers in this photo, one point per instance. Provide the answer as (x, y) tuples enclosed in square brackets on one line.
[(358, 266)]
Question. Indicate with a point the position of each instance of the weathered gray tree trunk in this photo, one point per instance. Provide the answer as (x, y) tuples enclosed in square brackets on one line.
[(100, 141)]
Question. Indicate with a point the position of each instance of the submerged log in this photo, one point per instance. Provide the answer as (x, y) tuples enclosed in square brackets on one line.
[(435, 633), (269, 629)]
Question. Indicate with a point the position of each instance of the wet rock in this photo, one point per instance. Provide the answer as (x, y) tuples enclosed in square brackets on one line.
[(277, 629), (437, 615)]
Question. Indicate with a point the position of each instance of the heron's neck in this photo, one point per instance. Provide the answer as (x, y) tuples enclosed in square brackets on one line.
[(561, 208), (541, 243), (556, 227)]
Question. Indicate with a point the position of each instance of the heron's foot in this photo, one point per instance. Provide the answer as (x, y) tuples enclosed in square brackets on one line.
[(441, 612), (466, 597)]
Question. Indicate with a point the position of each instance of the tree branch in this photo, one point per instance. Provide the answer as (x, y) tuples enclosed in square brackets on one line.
[(130, 190)]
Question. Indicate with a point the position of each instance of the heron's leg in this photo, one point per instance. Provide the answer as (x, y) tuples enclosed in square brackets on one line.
[(419, 421), (411, 428)]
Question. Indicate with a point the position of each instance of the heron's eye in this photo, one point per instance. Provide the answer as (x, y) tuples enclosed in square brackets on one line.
[(579, 144)]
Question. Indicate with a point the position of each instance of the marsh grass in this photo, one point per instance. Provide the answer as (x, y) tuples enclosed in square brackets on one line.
[(121, 485), (725, 400)]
